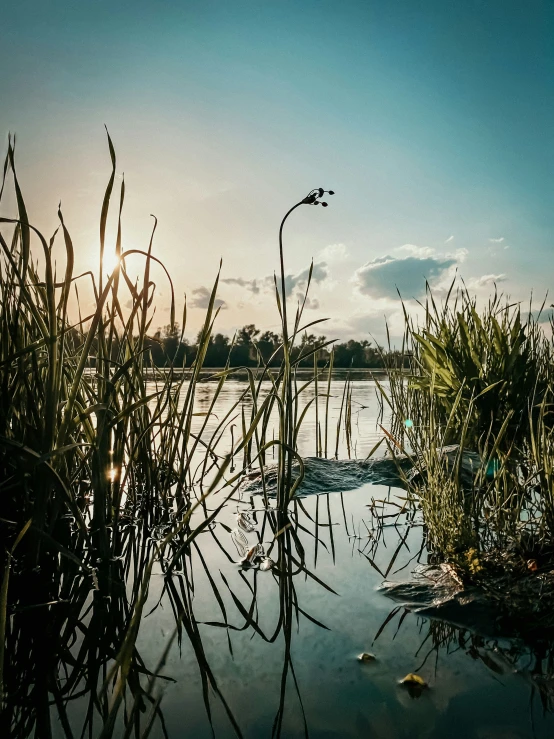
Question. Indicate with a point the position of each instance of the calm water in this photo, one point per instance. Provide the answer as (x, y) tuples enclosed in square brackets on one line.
[(365, 411), (273, 645)]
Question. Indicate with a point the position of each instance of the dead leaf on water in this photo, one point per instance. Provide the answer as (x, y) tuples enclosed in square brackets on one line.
[(414, 684), (413, 680), (366, 657), (253, 554)]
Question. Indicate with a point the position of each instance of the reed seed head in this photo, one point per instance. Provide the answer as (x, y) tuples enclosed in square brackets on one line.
[(313, 197)]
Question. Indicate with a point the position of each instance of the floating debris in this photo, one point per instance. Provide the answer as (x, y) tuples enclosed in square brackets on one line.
[(339, 475), (329, 475), (508, 598), (366, 657), (451, 571), (244, 522), (413, 680), (267, 564), (257, 552), (414, 684), (240, 541)]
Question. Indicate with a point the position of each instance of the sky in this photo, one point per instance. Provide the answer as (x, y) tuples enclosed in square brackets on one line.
[(432, 121)]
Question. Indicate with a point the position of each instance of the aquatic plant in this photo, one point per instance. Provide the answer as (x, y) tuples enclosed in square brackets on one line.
[(483, 381), (499, 364), (108, 470), (288, 405), (97, 456)]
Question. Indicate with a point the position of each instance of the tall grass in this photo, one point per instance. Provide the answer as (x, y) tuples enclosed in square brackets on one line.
[(106, 470), (481, 380), (94, 458)]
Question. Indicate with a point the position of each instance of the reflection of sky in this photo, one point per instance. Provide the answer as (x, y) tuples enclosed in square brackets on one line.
[(365, 409), (432, 121), (341, 697)]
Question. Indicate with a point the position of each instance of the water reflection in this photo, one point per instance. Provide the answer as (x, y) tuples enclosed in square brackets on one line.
[(228, 650), (359, 434)]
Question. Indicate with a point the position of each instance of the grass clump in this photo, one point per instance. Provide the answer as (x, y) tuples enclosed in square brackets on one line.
[(476, 415), (108, 470), (498, 365), (104, 468)]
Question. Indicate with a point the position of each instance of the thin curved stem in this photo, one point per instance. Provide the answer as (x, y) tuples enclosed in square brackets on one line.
[(283, 294), (287, 428)]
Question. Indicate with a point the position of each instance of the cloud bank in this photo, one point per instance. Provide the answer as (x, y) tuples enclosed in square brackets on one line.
[(486, 281), (384, 277)]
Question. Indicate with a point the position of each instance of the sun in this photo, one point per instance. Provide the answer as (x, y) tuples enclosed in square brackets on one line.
[(109, 262)]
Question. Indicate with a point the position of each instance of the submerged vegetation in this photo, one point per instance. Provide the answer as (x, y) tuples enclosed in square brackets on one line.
[(111, 476)]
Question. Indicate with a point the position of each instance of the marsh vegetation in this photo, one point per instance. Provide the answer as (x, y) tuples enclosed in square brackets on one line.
[(146, 592)]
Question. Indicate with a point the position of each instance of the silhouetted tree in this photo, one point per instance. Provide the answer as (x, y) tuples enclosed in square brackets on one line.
[(218, 351), (267, 345), (166, 346), (247, 334)]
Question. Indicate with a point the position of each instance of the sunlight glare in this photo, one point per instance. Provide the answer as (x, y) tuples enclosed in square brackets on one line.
[(109, 262)]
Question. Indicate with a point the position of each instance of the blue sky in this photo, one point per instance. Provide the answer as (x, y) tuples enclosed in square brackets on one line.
[(432, 121)]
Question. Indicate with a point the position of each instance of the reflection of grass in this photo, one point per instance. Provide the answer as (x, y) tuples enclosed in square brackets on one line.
[(288, 552), (531, 660)]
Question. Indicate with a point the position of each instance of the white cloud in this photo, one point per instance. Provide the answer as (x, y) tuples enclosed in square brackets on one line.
[(310, 304), (459, 255), (333, 253), (320, 273), (485, 281), (497, 241), (449, 239), (416, 251), (386, 276)]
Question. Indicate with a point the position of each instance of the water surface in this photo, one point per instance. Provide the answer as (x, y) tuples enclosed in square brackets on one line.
[(276, 651)]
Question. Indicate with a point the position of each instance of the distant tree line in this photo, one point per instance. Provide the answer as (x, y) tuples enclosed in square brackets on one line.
[(250, 347)]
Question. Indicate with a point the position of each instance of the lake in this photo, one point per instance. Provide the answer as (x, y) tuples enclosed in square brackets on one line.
[(262, 653)]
